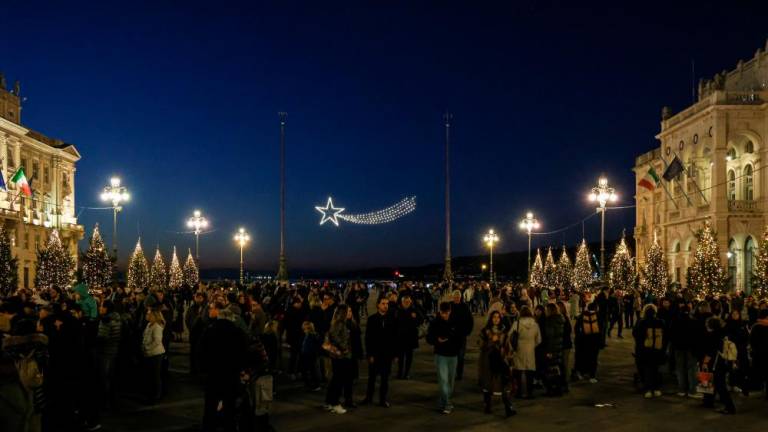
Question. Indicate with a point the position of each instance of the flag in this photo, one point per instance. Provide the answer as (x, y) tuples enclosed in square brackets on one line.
[(650, 180), (2, 181), (673, 170), (21, 181)]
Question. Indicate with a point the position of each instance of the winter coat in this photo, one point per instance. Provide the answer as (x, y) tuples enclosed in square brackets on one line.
[(442, 329), (339, 336), (224, 348), (108, 336), (758, 339), (492, 370), (408, 321), (650, 341), (554, 327), (462, 317), (681, 329), (152, 343), (380, 334), (524, 358), (90, 310)]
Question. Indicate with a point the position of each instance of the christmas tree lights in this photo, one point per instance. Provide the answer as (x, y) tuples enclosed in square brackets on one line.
[(138, 270), (191, 274), (537, 272), (9, 268), (564, 270), (158, 276), (705, 274), (97, 265), (175, 275), (656, 276), (55, 265), (550, 270), (582, 270), (622, 269)]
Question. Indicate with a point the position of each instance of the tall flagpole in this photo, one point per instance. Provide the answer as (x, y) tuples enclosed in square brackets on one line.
[(447, 273), (282, 272)]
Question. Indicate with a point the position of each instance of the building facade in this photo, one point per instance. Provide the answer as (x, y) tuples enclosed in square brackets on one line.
[(49, 165)]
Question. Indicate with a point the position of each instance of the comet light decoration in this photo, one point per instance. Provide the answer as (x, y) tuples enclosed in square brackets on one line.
[(386, 215)]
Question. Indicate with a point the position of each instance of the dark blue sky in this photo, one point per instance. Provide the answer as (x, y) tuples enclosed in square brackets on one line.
[(181, 101)]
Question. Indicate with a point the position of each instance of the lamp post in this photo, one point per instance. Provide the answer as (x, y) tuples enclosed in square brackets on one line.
[(197, 222), (529, 224), (241, 238), (115, 193), (602, 194), (490, 239)]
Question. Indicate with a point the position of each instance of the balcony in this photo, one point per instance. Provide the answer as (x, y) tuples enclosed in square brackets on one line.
[(742, 206)]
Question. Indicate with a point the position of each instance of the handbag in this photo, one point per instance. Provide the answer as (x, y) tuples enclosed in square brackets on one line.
[(706, 385), (331, 349)]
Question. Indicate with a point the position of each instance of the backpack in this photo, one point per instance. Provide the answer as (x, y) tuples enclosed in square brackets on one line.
[(653, 338), (730, 351), (589, 325), (29, 372)]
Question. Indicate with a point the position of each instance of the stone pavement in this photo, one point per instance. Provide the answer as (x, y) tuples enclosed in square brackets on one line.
[(414, 402)]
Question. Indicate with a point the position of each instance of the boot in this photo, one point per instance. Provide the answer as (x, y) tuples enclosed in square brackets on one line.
[(508, 405), (487, 401)]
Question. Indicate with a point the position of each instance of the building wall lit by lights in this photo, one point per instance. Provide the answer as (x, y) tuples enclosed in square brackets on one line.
[(50, 166), (721, 141)]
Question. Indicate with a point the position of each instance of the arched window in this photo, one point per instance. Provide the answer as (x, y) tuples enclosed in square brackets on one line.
[(676, 247), (732, 264), (731, 185), (749, 147), (731, 154), (750, 252), (748, 183)]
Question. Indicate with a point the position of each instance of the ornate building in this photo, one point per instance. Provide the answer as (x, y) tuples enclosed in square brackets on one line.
[(721, 142), (49, 165)]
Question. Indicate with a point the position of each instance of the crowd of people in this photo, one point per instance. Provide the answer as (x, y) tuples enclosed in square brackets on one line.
[(66, 354)]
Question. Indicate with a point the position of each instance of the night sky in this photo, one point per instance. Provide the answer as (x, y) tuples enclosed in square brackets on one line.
[(181, 101)]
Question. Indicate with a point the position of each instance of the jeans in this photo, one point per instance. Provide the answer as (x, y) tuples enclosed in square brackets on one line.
[(685, 369), (446, 377)]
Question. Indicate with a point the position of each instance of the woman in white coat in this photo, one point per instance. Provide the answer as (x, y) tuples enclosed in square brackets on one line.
[(153, 350), (528, 336)]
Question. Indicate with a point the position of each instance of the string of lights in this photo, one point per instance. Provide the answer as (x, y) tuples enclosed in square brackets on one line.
[(333, 214)]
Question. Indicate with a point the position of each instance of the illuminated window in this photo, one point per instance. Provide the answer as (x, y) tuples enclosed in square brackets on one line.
[(748, 183), (731, 185)]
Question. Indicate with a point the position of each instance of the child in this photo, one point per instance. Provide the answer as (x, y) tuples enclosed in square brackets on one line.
[(310, 349)]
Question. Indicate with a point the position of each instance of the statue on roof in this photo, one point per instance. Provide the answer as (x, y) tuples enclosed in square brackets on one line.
[(3, 84), (17, 88)]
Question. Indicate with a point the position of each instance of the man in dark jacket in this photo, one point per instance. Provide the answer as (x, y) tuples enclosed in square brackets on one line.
[(462, 317), (681, 345), (758, 339), (224, 348), (602, 312), (196, 320), (408, 320), (650, 349), (380, 336), (445, 337)]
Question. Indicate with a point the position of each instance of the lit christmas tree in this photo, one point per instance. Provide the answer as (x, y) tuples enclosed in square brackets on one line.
[(622, 270), (550, 270), (582, 270), (537, 272), (656, 276), (158, 277), (564, 270), (705, 274), (55, 265), (97, 265), (138, 270), (9, 268), (191, 275), (175, 275)]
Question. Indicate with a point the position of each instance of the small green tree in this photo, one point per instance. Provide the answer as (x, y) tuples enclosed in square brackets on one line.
[(191, 274), (537, 272), (656, 276), (9, 266), (138, 270), (158, 276), (705, 274), (175, 274), (97, 265), (55, 266), (582, 270), (622, 269), (564, 270)]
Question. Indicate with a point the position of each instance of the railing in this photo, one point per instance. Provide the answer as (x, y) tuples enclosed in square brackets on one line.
[(742, 205), (718, 97)]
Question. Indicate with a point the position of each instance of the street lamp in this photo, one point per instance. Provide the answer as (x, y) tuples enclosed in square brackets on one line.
[(115, 193), (602, 194), (197, 222), (529, 224), (241, 238), (490, 239)]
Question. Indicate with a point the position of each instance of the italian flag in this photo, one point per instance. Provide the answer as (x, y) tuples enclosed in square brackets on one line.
[(650, 180), (21, 181)]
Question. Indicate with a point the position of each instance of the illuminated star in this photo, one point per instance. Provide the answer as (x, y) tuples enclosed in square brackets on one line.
[(329, 208)]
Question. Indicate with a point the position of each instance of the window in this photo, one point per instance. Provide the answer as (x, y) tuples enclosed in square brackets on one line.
[(46, 175), (26, 240), (9, 157), (731, 155), (37, 241), (731, 185), (35, 167), (749, 264), (732, 264), (749, 147), (748, 183)]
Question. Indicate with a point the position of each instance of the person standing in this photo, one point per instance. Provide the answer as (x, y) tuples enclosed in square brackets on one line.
[(714, 362), (758, 340), (153, 350), (338, 346), (224, 346), (681, 330), (462, 318), (107, 346), (650, 349), (196, 321), (444, 336), (552, 346), (493, 369), (408, 321), (380, 336), (588, 340)]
